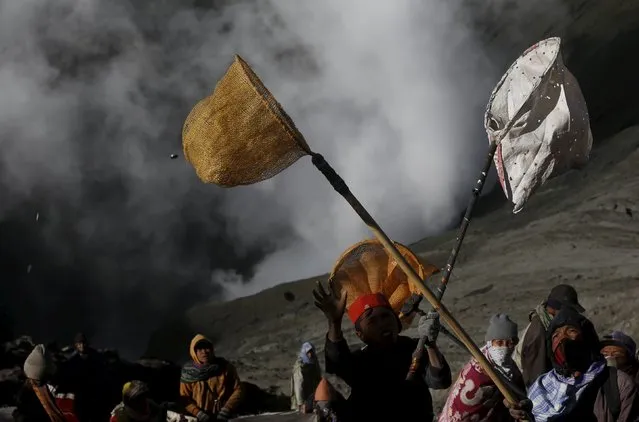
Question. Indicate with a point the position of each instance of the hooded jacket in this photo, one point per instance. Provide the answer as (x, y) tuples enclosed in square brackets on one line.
[(209, 388), (306, 376), (590, 339), (593, 404)]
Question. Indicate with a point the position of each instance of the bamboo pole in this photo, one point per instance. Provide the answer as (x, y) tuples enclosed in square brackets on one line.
[(340, 186)]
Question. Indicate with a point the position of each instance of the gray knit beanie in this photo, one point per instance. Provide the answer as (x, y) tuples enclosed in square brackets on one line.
[(38, 364), (501, 327)]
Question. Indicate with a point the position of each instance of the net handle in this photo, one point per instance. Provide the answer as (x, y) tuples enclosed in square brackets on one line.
[(340, 186)]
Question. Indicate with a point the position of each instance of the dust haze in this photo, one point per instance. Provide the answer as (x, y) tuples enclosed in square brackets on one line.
[(101, 231), (393, 107)]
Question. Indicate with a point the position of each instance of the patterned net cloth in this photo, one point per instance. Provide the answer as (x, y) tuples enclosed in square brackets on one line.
[(366, 268)]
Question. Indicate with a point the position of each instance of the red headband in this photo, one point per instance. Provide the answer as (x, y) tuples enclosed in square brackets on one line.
[(364, 302)]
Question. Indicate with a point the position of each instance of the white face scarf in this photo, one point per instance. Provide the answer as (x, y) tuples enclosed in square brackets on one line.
[(502, 357)]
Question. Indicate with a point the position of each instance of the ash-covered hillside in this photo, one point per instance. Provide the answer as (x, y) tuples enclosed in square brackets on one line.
[(582, 228)]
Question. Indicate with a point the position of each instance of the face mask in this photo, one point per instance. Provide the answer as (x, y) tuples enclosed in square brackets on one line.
[(500, 355), (571, 356), (558, 352)]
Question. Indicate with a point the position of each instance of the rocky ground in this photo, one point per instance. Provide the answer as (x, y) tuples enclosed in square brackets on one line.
[(582, 228)]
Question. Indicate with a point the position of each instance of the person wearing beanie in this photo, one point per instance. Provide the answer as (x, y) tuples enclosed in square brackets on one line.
[(620, 350), (210, 387), (580, 387), (36, 400), (377, 372), (474, 396), (531, 355)]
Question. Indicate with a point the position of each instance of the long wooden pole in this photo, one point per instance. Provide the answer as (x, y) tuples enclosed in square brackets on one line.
[(452, 258), (340, 186)]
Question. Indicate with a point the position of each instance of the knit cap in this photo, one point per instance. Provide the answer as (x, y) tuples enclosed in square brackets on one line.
[(501, 327), (37, 363), (618, 338)]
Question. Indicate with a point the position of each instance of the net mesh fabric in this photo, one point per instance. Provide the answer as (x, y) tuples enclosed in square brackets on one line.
[(539, 116), (367, 268), (528, 73), (240, 134)]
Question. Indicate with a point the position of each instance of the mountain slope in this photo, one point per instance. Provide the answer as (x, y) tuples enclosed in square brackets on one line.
[(582, 228)]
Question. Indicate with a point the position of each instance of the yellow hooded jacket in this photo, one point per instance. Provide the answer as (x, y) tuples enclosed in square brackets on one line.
[(222, 390)]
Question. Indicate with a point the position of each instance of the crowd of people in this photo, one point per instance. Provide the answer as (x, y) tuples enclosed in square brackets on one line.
[(209, 390), (557, 366), (560, 369)]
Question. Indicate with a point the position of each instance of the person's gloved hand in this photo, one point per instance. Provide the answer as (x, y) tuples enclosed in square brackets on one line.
[(203, 417), (518, 411), (429, 326), (224, 415)]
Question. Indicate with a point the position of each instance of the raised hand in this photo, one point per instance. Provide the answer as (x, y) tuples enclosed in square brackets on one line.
[(331, 302)]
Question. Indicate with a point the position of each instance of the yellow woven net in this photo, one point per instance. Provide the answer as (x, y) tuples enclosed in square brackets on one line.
[(240, 134), (367, 268)]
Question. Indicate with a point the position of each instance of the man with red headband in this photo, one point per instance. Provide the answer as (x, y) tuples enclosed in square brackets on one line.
[(377, 372)]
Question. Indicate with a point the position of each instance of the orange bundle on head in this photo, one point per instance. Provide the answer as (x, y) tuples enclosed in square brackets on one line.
[(371, 278)]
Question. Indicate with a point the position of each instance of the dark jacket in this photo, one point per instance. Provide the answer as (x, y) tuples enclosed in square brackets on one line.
[(534, 355), (594, 404), (379, 390), (28, 407), (87, 380), (633, 371)]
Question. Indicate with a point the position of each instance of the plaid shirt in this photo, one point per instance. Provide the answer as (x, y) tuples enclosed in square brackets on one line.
[(553, 394)]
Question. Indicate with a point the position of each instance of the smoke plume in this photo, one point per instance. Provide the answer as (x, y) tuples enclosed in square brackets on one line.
[(102, 231), (389, 100)]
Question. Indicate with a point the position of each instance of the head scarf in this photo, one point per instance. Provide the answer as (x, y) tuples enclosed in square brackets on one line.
[(132, 391), (543, 315), (195, 371), (502, 358), (307, 347), (554, 395), (589, 339)]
